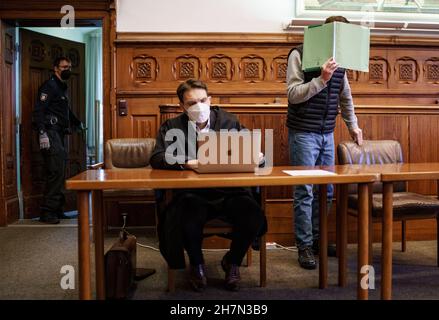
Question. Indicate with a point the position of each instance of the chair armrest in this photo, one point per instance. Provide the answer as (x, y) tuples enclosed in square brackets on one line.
[(96, 166)]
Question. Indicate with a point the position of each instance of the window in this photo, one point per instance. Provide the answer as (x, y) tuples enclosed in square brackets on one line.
[(395, 6), (415, 11)]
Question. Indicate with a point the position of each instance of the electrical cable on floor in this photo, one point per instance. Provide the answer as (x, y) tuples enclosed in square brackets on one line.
[(276, 245), (293, 248), (147, 247), (156, 249)]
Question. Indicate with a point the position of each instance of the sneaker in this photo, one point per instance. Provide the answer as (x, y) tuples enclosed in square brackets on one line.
[(306, 258), (49, 219), (233, 277), (197, 277), (62, 215), (332, 250)]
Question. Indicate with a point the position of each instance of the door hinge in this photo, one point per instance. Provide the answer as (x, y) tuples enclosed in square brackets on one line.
[(16, 50)]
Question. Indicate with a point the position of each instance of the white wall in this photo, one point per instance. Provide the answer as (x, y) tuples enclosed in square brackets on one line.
[(249, 16)]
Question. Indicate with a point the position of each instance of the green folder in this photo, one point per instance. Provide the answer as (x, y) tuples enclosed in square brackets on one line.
[(347, 43)]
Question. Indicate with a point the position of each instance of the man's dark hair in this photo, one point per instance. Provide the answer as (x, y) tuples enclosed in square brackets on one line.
[(188, 85), (58, 60), (336, 18)]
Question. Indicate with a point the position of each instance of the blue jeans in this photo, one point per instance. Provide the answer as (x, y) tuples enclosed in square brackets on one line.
[(309, 149)]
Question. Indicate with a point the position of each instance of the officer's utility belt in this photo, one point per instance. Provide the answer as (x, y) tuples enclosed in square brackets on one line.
[(51, 123)]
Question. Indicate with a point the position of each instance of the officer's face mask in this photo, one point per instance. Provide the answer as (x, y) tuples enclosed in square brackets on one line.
[(199, 112), (65, 74)]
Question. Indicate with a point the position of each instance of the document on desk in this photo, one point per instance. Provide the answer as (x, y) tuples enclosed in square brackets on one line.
[(348, 44), (298, 173)]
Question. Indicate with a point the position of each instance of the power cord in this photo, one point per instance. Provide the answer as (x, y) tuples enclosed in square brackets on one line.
[(292, 248), (276, 245)]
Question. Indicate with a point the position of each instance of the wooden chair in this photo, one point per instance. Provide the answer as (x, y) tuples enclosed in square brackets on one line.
[(127, 154), (223, 229), (406, 205)]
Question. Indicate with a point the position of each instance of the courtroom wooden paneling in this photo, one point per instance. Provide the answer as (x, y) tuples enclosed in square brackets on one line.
[(424, 147), (142, 119), (246, 75)]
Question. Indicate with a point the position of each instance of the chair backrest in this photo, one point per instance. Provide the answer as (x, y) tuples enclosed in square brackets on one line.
[(372, 152), (128, 153)]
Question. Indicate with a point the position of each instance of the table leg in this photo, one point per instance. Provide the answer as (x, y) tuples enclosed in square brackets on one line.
[(323, 255), (263, 243), (363, 235), (386, 272), (337, 219), (84, 245), (98, 228), (342, 212), (263, 263)]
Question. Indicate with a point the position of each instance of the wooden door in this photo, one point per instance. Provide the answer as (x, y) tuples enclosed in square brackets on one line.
[(9, 208), (37, 54)]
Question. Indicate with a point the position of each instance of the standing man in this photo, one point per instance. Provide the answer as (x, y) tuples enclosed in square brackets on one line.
[(313, 100), (52, 118)]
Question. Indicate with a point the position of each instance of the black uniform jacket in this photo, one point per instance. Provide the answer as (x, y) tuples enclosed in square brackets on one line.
[(52, 107)]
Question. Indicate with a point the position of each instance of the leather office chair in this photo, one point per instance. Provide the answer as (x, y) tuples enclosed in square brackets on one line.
[(123, 154), (406, 205), (221, 228)]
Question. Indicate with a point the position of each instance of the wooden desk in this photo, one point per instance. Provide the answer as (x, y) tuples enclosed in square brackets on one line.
[(94, 181), (389, 174)]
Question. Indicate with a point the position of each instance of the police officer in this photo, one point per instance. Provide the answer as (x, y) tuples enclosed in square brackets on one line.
[(53, 119)]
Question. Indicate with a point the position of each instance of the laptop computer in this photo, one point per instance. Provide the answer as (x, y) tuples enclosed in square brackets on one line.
[(227, 151)]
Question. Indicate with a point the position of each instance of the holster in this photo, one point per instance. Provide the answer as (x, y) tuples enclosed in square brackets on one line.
[(120, 267), (52, 122)]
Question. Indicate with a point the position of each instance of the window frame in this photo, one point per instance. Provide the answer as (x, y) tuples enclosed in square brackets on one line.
[(302, 13)]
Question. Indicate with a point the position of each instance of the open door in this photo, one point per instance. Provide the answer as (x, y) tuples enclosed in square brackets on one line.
[(37, 54)]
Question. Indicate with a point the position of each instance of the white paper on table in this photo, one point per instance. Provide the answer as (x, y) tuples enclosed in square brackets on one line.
[(309, 173)]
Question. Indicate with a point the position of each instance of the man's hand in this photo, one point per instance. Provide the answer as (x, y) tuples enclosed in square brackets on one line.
[(357, 135), (81, 128), (44, 141), (328, 69)]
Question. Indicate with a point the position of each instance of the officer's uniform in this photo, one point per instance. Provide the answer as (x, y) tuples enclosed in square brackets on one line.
[(53, 116)]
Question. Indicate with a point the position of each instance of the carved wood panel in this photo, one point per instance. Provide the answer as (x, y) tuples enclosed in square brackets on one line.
[(279, 68), (379, 70), (252, 68), (143, 69), (431, 70), (406, 70), (231, 69), (186, 67), (220, 68)]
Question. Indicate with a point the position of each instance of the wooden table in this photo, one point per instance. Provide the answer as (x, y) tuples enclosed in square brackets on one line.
[(95, 181), (389, 174)]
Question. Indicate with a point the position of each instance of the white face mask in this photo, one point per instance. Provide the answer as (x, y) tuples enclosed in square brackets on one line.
[(199, 112)]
